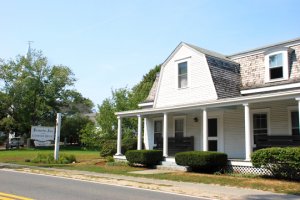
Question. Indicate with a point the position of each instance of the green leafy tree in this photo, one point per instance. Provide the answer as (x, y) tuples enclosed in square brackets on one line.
[(91, 137), (34, 91), (141, 90), (122, 99), (72, 126)]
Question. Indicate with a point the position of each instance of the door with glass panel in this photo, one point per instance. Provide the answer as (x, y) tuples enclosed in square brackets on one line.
[(213, 134), (179, 130), (158, 128)]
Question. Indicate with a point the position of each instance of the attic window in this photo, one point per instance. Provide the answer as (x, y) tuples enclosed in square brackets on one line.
[(276, 66), (182, 75)]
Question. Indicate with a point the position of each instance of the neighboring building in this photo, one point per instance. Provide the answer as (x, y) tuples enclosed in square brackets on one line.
[(203, 100)]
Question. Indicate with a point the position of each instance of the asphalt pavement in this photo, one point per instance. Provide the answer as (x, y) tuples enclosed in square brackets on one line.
[(208, 191), (43, 187)]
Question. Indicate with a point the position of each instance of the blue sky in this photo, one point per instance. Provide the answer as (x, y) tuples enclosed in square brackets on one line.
[(112, 44)]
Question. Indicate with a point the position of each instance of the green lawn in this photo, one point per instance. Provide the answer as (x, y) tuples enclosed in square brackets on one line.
[(91, 161), (20, 155)]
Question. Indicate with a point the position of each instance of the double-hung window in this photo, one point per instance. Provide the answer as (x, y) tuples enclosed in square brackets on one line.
[(276, 65), (182, 75), (260, 125)]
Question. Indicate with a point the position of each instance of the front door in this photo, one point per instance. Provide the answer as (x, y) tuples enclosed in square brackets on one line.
[(213, 134), (158, 129)]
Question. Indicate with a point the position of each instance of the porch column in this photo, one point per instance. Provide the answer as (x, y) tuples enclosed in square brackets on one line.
[(165, 135), (248, 146), (119, 141), (139, 142), (205, 130)]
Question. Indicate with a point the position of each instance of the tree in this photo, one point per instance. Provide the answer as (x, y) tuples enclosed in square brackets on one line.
[(122, 99), (141, 90), (72, 126), (34, 91)]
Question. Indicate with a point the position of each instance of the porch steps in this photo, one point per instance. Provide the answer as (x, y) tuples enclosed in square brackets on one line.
[(170, 164)]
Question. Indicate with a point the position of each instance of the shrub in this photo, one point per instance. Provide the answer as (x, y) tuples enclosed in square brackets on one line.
[(49, 159), (129, 143), (109, 148), (281, 162), (144, 157), (110, 159), (204, 161)]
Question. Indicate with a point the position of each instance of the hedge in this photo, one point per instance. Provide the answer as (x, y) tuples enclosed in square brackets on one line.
[(203, 161), (144, 157), (281, 162)]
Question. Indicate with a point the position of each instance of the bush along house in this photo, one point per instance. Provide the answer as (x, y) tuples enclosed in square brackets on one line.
[(236, 104)]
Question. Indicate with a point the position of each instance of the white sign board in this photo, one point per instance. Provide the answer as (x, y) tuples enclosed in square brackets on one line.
[(42, 133), (42, 143)]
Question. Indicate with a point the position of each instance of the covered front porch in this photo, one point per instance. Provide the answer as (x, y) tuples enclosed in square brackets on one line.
[(235, 126)]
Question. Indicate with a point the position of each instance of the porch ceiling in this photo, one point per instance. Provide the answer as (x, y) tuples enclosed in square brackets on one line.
[(214, 103)]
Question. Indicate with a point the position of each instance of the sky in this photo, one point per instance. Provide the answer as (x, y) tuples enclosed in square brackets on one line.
[(112, 44)]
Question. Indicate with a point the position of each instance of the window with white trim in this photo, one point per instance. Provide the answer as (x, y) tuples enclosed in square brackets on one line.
[(182, 75), (295, 122), (260, 125), (276, 66)]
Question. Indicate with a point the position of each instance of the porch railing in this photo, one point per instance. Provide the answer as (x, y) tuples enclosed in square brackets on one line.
[(265, 141), (177, 144)]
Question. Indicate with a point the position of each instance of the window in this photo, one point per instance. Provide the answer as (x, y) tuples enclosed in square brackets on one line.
[(260, 125), (158, 126), (182, 75), (295, 122), (276, 65)]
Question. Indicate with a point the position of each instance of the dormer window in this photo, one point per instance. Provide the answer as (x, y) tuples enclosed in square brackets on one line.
[(182, 75), (276, 66)]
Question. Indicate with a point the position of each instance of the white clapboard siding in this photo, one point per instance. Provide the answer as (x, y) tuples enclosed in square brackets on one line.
[(234, 133), (278, 115), (200, 84), (234, 125)]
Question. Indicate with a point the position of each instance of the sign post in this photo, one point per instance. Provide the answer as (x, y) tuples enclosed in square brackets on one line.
[(57, 136)]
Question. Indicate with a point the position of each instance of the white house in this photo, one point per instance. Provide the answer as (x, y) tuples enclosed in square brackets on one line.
[(203, 100)]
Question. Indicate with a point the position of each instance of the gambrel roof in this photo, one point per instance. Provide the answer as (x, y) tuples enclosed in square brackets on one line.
[(225, 73)]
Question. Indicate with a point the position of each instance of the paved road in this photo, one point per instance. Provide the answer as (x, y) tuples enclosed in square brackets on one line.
[(47, 187)]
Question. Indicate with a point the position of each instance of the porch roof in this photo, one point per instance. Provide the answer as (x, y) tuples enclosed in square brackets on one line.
[(215, 103)]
